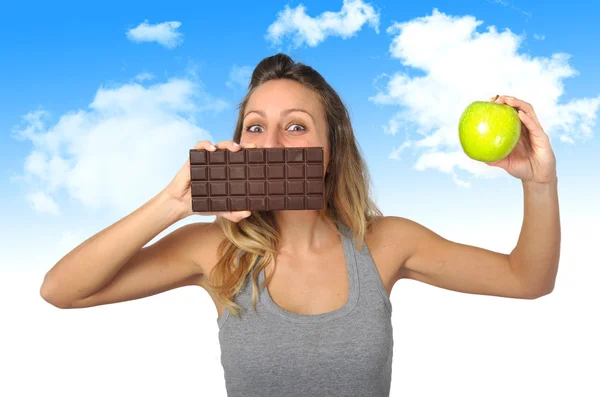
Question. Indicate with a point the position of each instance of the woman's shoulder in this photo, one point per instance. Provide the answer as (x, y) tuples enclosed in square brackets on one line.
[(386, 230), (201, 241), (386, 239), (379, 225)]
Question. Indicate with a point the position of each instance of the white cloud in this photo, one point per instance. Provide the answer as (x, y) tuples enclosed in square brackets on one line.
[(539, 36), (144, 76), (460, 66), (303, 28), (42, 202), (566, 139), (164, 33), (239, 76), (395, 154), (118, 153)]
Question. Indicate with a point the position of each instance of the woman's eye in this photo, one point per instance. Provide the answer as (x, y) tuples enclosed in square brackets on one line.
[(250, 128), (293, 126)]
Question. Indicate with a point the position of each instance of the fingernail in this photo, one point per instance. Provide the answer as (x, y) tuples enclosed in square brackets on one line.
[(212, 147), (236, 144)]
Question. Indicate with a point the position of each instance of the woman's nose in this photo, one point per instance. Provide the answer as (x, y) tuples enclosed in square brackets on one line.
[(272, 140)]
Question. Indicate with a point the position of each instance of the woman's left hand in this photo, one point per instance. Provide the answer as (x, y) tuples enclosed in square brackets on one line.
[(532, 160)]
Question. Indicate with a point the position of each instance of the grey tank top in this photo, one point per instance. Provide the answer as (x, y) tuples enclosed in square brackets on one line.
[(345, 352)]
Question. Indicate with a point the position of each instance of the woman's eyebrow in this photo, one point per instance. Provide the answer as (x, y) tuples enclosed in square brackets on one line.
[(283, 112)]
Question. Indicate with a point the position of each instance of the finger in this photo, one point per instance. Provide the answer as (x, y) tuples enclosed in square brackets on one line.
[(502, 163), (207, 145), (499, 99), (517, 104), (235, 216), (239, 215), (248, 145), (537, 136), (230, 145), (521, 105)]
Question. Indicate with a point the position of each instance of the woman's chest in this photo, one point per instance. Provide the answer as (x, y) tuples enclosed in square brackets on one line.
[(317, 284)]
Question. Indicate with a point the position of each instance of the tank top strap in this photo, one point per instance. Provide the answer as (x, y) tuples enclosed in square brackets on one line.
[(371, 286)]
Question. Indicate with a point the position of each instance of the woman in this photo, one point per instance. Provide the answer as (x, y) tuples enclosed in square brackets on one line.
[(323, 326)]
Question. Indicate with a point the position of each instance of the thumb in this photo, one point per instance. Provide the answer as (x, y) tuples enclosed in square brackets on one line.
[(499, 163), (236, 216)]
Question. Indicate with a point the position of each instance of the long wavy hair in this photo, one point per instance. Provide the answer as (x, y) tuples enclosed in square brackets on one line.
[(253, 242)]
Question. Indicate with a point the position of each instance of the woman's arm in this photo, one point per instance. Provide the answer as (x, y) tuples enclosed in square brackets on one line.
[(535, 258), (530, 270)]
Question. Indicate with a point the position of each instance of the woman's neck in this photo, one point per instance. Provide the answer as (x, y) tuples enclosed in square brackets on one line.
[(303, 231)]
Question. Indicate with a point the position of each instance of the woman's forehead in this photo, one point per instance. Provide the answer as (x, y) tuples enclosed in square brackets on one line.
[(280, 95)]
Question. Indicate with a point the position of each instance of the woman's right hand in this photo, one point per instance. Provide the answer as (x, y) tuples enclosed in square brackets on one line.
[(179, 189)]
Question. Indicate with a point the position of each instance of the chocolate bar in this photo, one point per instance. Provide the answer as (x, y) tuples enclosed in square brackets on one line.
[(257, 179)]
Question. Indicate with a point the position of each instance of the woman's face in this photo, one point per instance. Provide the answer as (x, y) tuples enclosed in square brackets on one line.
[(283, 113)]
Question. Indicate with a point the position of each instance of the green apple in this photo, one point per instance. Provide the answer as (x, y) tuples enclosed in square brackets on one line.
[(489, 131)]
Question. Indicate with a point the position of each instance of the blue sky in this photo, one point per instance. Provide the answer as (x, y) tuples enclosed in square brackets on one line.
[(80, 84), (100, 103)]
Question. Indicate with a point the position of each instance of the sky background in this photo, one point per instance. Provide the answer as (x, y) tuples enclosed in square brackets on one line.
[(100, 104)]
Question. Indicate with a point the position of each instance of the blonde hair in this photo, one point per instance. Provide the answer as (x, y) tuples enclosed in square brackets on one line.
[(346, 194)]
